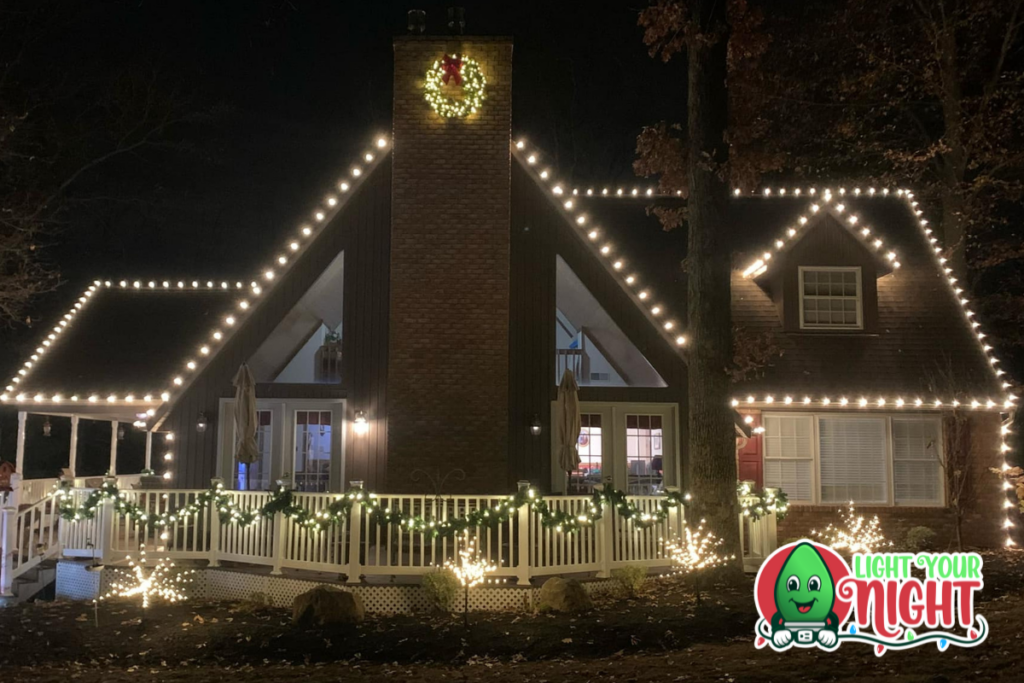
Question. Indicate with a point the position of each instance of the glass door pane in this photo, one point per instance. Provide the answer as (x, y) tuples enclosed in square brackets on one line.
[(256, 476), (312, 450), (645, 463), (591, 450)]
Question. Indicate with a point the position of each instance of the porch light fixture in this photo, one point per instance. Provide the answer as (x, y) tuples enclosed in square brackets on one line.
[(47, 427), (360, 425), (202, 423), (535, 426), (120, 432)]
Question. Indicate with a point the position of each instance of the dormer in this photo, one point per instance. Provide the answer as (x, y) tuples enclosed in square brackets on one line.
[(823, 280)]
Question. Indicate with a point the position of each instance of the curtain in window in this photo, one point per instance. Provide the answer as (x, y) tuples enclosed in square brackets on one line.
[(916, 451)]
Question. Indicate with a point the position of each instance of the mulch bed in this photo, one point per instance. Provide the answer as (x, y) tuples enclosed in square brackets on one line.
[(660, 635)]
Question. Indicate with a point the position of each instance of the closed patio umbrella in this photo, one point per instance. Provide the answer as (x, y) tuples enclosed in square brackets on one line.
[(567, 427), (246, 451)]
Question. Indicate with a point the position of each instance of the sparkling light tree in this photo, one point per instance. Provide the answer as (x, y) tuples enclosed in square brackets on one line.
[(694, 551), (470, 569), (160, 581), (853, 534)]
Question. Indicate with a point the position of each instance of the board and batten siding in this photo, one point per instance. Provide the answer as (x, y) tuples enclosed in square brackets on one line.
[(362, 230), (539, 234)]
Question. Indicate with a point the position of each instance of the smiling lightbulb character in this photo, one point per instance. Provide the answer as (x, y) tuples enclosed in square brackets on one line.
[(804, 597)]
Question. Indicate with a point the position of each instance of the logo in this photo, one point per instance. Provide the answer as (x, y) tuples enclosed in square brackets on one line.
[(808, 596)]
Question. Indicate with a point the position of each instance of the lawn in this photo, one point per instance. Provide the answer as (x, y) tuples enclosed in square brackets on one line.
[(659, 636)]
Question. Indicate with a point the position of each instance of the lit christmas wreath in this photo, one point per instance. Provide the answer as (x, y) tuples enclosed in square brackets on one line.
[(458, 71)]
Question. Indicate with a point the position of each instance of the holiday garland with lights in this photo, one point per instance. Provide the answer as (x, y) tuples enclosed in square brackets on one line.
[(339, 509), (455, 71)]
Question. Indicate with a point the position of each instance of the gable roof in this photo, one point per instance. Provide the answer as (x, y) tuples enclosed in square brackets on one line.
[(930, 350), (97, 359)]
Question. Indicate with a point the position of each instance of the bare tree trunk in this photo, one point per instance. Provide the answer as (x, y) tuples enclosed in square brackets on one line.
[(953, 159), (712, 455)]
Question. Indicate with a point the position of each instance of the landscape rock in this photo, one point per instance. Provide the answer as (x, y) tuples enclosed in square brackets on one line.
[(563, 595), (325, 605)]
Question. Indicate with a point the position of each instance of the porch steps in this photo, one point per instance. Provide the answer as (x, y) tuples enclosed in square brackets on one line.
[(31, 583)]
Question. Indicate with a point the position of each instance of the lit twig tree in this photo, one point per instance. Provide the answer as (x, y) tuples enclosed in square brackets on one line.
[(470, 569), (694, 551), (160, 581), (853, 534)]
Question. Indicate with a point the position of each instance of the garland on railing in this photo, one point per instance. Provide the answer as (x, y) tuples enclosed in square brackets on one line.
[(340, 508), (758, 503)]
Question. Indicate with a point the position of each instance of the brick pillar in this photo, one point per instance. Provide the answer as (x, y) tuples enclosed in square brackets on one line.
[(448, 336)]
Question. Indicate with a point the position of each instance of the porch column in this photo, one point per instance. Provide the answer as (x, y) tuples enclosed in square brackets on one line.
[(19, 456), (149, 450), (112, 470), (73, 457)]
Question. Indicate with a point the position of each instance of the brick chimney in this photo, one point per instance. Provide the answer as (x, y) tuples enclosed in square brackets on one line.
[(448, 338)]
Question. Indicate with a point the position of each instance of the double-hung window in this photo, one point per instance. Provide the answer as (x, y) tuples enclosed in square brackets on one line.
[(868, 459), (831, 298)]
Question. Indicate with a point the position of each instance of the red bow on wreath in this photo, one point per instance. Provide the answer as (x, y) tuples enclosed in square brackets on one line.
[(452, 68)]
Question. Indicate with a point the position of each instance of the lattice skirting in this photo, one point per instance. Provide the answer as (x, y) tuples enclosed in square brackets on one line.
[(76, 582)]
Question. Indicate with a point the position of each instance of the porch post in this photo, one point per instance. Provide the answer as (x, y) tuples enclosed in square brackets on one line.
[(9, 544), (73, 457), (524, 541), (112, 470), (19, 457), (217, 484), (149, 450), (605, 538), (355, 537)]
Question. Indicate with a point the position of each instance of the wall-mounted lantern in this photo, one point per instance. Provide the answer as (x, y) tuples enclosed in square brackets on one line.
[(360, 425), (120, 432), (47, 427), (535, 426), (202, 423)]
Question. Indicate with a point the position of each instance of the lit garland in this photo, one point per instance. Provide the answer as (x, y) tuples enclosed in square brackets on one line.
[(450, 72), (755, 504), (855, 535), (339, 509), (161, 581)]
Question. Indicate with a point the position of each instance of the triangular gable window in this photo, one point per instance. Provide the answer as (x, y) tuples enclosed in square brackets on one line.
[(590, 343), (305, 347)]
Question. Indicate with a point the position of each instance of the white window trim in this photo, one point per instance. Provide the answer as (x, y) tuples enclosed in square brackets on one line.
[(889, 456), (614, 439), (860, 297)]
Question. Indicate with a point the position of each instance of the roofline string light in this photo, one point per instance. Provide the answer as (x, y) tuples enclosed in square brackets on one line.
[(614, 262), (294, 246), (839, 209)]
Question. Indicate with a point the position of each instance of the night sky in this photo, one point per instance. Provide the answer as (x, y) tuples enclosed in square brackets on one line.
[(294, 90)]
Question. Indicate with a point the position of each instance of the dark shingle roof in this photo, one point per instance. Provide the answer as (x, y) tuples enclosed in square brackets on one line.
[(126, 340), (924, 346)]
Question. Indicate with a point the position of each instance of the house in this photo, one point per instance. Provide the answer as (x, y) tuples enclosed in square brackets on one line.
[(410, 329)]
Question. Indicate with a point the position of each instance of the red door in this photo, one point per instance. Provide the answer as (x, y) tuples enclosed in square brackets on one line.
[(749, 463)]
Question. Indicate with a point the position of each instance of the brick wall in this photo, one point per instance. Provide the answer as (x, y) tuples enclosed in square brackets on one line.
[(982, 525), (448, 336)]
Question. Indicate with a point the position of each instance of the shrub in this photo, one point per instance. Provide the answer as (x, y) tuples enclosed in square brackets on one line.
[(442, 588), (920, 538), (630, 578)]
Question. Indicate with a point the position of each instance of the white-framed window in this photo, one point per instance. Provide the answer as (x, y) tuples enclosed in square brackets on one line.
[(831, 298), (590, 446), (917, 460), (853, 460), (789, 455), (868, 459)]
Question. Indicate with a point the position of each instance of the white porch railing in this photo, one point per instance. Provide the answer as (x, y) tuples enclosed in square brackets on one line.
[(27, 537), (361, 546), (34, 490)]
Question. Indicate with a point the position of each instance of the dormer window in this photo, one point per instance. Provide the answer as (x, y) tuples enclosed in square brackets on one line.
[(831, 298)]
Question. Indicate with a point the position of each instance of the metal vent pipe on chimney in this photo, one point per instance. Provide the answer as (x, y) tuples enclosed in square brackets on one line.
[(456, 20), (417, 21)]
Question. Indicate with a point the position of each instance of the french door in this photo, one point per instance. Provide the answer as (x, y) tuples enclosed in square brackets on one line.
[(632, 446), (299, 441)]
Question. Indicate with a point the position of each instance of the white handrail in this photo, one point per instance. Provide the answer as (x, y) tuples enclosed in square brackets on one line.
[(361, 545), (27, 537)]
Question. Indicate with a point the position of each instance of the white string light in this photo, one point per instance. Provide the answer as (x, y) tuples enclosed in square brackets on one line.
[(331, 206)]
